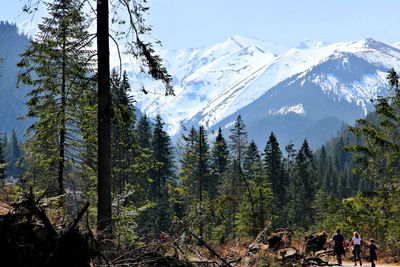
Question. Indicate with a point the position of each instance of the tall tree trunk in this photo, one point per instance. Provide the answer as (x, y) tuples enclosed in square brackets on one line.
[(104, 119), (62, 130), (201, 166)]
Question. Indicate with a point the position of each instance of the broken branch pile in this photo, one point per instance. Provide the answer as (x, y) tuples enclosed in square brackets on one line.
[(28, 238)]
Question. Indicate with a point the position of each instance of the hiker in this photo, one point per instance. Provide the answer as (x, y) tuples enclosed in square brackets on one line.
[(146, 239), (338, 248), (200, 241), (372, 252), (356, 243)]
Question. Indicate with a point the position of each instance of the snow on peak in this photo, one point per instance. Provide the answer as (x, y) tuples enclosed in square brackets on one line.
[(212, 83), (297, 109), (266, 47), (371, 43), (308, 43)]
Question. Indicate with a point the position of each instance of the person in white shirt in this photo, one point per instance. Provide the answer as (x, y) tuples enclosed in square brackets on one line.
[(356, 242)]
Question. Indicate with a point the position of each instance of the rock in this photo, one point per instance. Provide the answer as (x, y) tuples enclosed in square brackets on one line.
[(288, 253)]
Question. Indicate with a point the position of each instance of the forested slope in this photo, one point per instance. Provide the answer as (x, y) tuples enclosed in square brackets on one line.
[(12, 44)]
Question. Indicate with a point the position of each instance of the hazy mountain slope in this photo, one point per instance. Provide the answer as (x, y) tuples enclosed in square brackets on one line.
[(12, 43)]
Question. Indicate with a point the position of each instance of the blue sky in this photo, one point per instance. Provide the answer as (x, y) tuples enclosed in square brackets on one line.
[(191, 23)]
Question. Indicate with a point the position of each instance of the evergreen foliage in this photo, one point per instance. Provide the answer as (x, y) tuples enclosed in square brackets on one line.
[(219, 193), (122, 132), (377, 159), (161, 176), (143, 132), (302, 188), (219, 156), (58, 66)]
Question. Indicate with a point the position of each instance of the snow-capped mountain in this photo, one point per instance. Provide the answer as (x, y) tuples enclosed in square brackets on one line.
[(273, 87)]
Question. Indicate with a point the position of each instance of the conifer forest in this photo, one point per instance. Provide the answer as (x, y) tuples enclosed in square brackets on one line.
[(88, 179)]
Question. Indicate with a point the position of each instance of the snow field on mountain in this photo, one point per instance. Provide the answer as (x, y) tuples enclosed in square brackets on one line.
[(211, 83)]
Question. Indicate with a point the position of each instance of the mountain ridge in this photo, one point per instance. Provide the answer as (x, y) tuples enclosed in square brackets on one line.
[(213, 83)]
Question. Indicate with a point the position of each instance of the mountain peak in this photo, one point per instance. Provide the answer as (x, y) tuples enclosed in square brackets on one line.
[(308, 43), (263, 46), (371, 43)]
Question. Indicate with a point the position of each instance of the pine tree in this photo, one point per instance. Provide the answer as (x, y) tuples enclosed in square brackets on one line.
[(60, 60)]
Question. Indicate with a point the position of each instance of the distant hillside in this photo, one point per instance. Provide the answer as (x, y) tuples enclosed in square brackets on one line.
[(12, 44)]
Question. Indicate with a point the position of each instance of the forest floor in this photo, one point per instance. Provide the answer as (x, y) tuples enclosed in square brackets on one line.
[(240, 253)]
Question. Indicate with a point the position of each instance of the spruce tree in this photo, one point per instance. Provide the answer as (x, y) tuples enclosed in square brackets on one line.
[(143, 132), (256, 205), (302, 188), (162, 151), (161, 176), (273, 165), (251, 158), (238, 144), (219, 156), (57, 65), (122, 131), (291, 153), (255, 208), (196, 186)]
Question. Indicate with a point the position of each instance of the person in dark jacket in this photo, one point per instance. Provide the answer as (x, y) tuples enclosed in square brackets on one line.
[(372, 252), (338, 247)]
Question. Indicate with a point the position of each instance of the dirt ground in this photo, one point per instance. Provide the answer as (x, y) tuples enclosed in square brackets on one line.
[(367, 264)]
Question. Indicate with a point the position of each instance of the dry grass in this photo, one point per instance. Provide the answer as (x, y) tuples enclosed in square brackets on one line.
[(5, 208)]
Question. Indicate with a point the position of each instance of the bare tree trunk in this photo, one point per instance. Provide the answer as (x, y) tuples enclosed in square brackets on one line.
[(61, 162), (201, 166), (104, 119)]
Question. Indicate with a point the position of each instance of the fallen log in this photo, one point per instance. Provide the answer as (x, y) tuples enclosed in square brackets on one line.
[(213, 252)]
